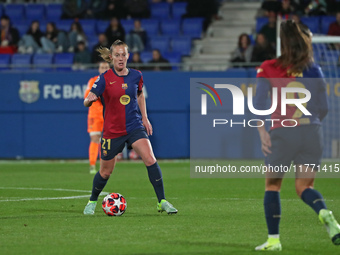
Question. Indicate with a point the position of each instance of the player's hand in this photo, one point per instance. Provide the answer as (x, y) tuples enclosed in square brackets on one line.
[(147, 125), (90, 99), (266, 142)]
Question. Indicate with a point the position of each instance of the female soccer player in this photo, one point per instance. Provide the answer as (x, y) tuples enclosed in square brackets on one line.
[(300, 144), (120, 90), (95, 120)]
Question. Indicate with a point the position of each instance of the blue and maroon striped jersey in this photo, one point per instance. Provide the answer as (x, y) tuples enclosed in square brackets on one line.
[(119, 97), (311, 79)]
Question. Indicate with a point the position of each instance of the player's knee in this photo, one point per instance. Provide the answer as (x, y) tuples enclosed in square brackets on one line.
[(149, 160), (105, 172)]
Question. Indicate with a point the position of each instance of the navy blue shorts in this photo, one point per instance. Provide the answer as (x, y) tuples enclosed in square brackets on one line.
[(111, 147), (300, 145)]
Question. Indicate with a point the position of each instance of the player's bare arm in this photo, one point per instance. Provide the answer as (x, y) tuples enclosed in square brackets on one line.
[(90, 99), (265, 139), (142, 107)]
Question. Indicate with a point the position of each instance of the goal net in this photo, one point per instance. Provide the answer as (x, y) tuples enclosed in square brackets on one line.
[(326, 51)]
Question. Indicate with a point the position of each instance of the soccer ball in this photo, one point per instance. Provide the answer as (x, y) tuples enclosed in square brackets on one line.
[(114, 204)]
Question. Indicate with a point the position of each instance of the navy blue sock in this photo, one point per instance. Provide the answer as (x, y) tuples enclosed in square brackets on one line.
[(98, 185), (272, 211), (156, 179), (314, 199)]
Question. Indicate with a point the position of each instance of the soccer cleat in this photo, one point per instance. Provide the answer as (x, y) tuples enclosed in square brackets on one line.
[(165, 206), (272, 244), (90, 207), (93, 170), (333, 228)]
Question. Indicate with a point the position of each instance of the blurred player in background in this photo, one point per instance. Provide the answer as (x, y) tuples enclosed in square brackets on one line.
[(125, 122), (301, 144), (95, 120)]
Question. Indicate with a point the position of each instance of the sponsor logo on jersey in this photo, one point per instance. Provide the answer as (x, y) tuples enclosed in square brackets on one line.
[(124, 99), (111, 82), (124, 86), (29, 91)]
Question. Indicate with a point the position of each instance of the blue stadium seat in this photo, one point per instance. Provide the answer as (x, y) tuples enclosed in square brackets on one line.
[(43, 61), (171, 27), (91, 42), (146, 56), (151, 26), (312, 22), (21, 61), (22, 26), (64, 24), (65, 60), (325, 22), (4, 61), (1, 10), (331, 57), (160, 10), (260, 22), (178, 9), (181, 44), (162, 43), (101, 26), (127, 25), (192, 27), (53, 12), (173, 57), (15, 11), (88, 26), (35, 11)]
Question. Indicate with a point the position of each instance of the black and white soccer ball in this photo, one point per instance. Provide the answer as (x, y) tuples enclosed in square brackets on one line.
[(114, 204)]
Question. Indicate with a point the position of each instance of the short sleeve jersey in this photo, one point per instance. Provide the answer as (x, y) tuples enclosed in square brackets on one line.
[(317, 105), (119, 98)]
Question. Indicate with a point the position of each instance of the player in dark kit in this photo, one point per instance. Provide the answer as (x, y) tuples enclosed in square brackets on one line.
[(125, 121), (301, 143)]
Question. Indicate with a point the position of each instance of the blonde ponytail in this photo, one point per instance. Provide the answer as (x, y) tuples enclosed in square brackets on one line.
[(104, 53)]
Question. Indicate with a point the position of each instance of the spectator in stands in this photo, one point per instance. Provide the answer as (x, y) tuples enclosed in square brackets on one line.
[(9, 35), (82, 57), (96, 9), (159, 63), (54, 40), (115, 31), (137, 8), (75, 35), (30, 42), (244, 49), (136, 39), (286, 9), (115, 8), (74, 9), (262, 50), (315, 7), (136, 62), (102, 42), (207, 9), (269, 30), (267, 7), (334, 28)]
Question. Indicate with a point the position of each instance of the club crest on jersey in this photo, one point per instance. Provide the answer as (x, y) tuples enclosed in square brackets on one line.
[(29, 91), (124, 99), (124, 86), (105, 153)]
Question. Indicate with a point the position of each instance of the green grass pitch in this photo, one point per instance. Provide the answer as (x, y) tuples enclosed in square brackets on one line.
[(216, 216)]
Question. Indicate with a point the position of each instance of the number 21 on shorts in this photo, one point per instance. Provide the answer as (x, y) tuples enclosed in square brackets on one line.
[(106, 144)]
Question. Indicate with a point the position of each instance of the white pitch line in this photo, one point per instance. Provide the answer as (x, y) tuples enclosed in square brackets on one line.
[(47, 189), (47, 198)]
